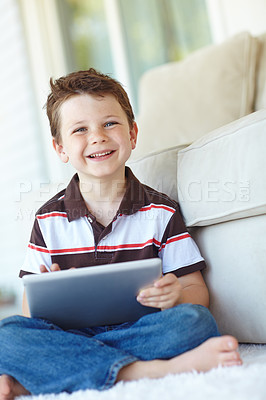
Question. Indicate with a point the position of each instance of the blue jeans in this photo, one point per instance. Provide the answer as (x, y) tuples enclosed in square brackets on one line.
[(46, 359)]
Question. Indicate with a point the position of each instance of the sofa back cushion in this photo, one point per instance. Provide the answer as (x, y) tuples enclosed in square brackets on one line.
[(158, 170), (181, 101)]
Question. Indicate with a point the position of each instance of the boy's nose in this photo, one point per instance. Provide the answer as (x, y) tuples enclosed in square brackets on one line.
[(97, 136)]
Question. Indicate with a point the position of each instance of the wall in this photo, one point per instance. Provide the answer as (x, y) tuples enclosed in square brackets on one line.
[(231, 16)]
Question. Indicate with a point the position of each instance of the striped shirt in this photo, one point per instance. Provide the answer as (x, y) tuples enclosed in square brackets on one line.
[(147, 224)]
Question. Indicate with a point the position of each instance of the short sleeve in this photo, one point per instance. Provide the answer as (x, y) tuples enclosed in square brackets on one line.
[(37, 252), (179, 252)]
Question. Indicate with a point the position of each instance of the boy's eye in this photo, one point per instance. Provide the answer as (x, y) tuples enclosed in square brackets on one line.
[(80, 130), (111, 123)]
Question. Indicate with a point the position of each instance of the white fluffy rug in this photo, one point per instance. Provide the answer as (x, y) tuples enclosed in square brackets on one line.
[(246, 382)]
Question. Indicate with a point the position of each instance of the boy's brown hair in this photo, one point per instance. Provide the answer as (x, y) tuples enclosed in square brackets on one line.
[(89, 82)]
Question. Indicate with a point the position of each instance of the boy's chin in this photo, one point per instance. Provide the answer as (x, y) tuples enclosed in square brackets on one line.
[(108, 174)]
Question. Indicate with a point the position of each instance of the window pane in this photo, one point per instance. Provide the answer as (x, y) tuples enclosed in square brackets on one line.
[(86, 36), (191, 29), (144, 36), (155, 32), (159, 31)]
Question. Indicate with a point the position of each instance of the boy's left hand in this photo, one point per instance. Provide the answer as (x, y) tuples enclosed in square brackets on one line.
[(166, 292)]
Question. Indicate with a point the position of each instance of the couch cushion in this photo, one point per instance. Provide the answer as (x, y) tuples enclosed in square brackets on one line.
[(181, 101), (221, 176), (158, 170)]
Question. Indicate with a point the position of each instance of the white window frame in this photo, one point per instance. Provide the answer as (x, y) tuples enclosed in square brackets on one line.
[(47, 59), (118, 44)]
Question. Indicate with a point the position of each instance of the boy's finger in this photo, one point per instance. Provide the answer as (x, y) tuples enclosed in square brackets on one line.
[(155, 299), (43, 268), (55, 267), (154, 292), (158, 303)]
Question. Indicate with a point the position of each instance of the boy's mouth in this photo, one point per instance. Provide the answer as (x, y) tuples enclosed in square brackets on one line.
[(100, 155)]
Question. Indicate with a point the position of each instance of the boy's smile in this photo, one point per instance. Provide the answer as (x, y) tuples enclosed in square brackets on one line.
[(95, 136)]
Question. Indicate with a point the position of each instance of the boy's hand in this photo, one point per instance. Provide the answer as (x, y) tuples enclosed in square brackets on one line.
[(165, 293), (54, 267)]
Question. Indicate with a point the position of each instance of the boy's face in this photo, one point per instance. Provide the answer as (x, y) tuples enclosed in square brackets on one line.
[(95, 136)]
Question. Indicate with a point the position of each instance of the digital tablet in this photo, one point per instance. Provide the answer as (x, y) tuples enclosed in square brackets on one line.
[(92, 296)]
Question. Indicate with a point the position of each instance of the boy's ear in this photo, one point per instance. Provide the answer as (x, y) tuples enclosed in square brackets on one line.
[(60, 151), (133, 135)]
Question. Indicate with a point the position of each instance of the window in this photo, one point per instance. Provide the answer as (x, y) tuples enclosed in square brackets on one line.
[(159, 31), (152, 32), (86, 37)]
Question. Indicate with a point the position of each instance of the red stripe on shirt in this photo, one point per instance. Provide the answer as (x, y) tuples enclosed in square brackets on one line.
[(52, 214), (74, 250), (57, 251), (130, 246), (175, 239), (38, 248), (147, 208), (92, 248)]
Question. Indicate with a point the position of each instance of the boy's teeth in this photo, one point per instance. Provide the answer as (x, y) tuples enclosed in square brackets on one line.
[(100, 154)]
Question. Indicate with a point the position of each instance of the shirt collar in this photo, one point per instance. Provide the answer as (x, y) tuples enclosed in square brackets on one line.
[(74, 203), (133, 200), (134, 197)]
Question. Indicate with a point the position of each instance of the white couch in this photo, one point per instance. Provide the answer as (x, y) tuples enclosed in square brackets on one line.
[(215, 102)]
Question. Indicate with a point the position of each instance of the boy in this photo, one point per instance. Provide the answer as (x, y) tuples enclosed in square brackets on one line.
[(106, 215)]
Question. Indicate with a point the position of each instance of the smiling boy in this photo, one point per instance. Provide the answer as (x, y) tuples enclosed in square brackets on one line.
[(100, 164), (106, 215)]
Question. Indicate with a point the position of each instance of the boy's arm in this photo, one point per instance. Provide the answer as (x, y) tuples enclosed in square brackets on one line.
[(194, 289), (25, 306), (169, 291)]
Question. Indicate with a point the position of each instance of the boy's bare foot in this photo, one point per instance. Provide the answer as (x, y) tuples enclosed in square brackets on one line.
[(217, 351), (10, 388), (210, 354)]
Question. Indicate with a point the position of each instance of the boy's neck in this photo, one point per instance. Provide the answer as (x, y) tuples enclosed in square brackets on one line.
[(103, 197), (103, 191)]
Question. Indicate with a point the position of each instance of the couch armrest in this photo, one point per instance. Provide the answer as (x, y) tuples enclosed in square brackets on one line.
[(221, 176)]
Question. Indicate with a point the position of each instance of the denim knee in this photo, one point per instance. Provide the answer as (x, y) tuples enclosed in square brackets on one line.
[(190, 320), (201, 322)]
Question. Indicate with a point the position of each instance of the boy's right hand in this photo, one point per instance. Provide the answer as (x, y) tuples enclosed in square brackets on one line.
[(54, 267)]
